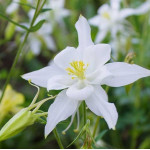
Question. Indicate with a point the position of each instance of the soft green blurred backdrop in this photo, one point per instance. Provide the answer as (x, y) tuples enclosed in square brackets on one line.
[(133, 127)]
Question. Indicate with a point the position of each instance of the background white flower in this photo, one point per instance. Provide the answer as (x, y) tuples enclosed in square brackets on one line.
[(42, 35), (111, 18), (80, 72), (58, 11), (13, 7)]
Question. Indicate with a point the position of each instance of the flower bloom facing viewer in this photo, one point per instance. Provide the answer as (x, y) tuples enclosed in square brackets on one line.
[(80, 72), (111, 18), (10, 102)]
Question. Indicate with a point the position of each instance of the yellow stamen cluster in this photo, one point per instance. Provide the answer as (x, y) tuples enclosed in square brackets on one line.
[(106, 15), (77, 69)]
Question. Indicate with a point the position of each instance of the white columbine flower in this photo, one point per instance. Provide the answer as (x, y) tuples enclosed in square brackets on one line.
[(111, 18), (80, 72), (58, 9), (42, 35)]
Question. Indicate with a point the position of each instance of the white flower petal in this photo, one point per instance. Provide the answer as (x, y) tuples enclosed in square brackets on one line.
[(61, 109), (57, 4), (65, 12), (95, 21), (79, 91), (144, 8), (115, 4), (104, 8), (124, 74), (50, 42), (40, 77), (65, 57), (12, 7), (127, 12), (59, 82), (98, 76), (97, 55), (98, 104), (84, 32), (35, 45), (101, 35)]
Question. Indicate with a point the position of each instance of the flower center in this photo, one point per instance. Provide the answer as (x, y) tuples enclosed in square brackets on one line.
[(77, 69), (106, 15)]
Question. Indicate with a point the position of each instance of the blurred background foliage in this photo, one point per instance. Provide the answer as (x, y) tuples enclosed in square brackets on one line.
[(133, 127)]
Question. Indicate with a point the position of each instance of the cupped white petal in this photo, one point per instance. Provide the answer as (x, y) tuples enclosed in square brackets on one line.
[(124, 74), (65, 57), (79, 91), (98, 104), (40, 77), (84, 33), (59, 82), (61, 109), (97, 55), (98, 76)]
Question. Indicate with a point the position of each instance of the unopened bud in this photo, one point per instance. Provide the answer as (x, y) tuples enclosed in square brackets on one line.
[(129, 58), (16, 124)]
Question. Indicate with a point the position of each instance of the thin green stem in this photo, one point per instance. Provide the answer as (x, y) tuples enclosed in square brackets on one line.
[(14, 64), (84, 112), (58, 138), (43, 114), (96, 125), (84, 116), (37, 11)]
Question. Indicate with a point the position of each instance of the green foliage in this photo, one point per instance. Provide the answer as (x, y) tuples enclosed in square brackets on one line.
[(132, 102), (37, 26), (15, 23), (10, 30)]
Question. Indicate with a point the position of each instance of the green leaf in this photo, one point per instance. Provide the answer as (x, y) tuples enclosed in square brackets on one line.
[(37, 26), (28, 5), (10, 30), (100, 135), (80, 133), (45, 9), (145, 144), (25, 4), (9, 20)]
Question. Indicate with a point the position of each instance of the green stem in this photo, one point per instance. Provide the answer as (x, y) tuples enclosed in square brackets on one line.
[(58, 138), (37, 11), (84, 112), (96, 125), (84, 116)]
